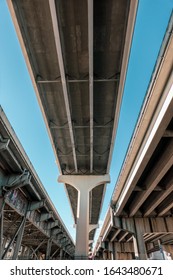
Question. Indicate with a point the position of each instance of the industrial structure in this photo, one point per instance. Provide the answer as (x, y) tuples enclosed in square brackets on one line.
[(31, 227), (77, 55)]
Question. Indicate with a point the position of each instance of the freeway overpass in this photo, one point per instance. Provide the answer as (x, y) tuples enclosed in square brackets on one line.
[(30, 226), (77, 54), (140, 218)]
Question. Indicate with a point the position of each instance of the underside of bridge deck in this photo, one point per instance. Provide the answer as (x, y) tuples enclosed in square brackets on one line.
[(77, 54), (141, 209)]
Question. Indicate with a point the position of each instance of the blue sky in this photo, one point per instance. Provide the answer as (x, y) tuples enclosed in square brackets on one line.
[(18, 99)]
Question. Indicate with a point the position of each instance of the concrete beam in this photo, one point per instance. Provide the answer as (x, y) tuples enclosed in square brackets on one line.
[(117, 231), (154, 128), (90, 50), (89, 181), (77, 80), (123, 235), (164, 208), (168, 133), (63, 78), (126, 53), (84, 184), (158, 199), (159, 170)]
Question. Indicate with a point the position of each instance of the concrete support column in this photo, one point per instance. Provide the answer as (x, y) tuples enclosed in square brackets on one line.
[(82, 229), (104, 255), (138, 240), (135, 245), (161, 249), (110, 247), (141, 247), (114, 251), (84, 184)]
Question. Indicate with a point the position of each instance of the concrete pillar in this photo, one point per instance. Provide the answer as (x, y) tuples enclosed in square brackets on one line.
[(161, 249), (114, 250), (84, 184), (138, 241), (110, 247), (104, 255), (135, 245)]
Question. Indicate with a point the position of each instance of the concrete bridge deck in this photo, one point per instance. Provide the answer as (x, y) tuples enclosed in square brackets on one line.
[(142, 201)]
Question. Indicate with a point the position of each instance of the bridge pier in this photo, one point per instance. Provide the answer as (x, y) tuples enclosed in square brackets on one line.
[(84, 184)]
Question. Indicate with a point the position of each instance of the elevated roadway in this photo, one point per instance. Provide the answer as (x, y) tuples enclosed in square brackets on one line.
[(30, 226), (142, 202), (77, 55)]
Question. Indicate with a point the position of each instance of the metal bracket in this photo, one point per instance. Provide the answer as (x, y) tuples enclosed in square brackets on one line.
[(18, 181), (4, 143), (54, 232), (44, 217), (53, 224), (34, 205)]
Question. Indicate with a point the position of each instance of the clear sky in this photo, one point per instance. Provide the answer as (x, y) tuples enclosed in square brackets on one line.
[(19, 102)]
